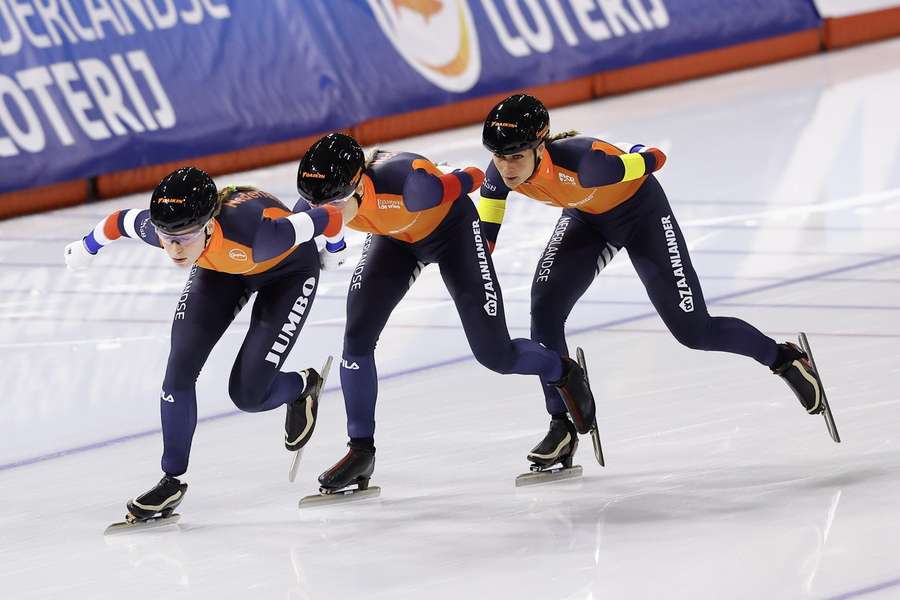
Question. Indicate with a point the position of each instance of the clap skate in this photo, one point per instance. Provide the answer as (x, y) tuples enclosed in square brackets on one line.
[(356, 467), (799, 371), (575, 390), (155, 508), (551, 459), (301, 415)]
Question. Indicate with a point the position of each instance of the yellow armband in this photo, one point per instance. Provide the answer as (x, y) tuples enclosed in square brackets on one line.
[(491, 210)]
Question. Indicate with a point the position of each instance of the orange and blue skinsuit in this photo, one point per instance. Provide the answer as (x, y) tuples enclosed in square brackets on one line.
[(417, 215), (256, 246), (610, 200)]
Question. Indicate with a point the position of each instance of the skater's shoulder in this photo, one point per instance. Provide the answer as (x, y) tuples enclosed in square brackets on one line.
[(388, 170), (567, 149), (243, 208)]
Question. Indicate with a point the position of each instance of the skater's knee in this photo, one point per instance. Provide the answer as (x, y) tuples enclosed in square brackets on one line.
[(696, 337), (543, 301), (547, 314), (496, 359), (358, 340), (248, 398)]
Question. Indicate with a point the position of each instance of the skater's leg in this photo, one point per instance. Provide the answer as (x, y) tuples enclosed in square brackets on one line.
[(660, 257), (574, 256), (382, 277), (281, 308), (468, 272), (207, 306)]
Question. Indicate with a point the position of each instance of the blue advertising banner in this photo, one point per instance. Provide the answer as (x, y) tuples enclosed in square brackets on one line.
[(95, 86)]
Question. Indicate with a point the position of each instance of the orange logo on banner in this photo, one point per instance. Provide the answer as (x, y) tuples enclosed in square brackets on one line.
[(436, 37), (426, 8)]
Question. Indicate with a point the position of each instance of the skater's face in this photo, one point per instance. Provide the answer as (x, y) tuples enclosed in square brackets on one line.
[(515, 169), (184, 248)]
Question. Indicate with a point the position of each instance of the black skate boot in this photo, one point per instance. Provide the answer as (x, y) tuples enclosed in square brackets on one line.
[(795, 368), (551, 459), (161, 501), (557, 447), (576, 394), (301, 413), (356, 467)]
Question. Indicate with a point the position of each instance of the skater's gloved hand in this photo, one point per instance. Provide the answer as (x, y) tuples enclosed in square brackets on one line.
[(333, 256), (658, 155), (77, 256)]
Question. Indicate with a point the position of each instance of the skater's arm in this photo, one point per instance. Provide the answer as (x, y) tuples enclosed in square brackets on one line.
[(597, 168), (131, 223), (427, 187), (276, 236), (492, 206)]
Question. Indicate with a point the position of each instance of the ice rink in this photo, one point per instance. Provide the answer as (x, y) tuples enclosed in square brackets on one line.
[(786, 182)]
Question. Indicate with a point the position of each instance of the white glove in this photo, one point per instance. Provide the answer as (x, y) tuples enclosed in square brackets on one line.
[(330, 261), (77, 256)]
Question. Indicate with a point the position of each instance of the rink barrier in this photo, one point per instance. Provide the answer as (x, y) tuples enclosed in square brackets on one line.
[(48, 197), (145, 178), (470, 112), (835, 33), (427, 120), (852, 30)]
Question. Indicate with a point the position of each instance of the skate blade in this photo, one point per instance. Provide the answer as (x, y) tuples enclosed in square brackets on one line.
[(598, 449), (325, 369), (295, 465), (298, 454), (826, 408), (125, 526), (341, 497), (579, 356), (548, 476), (595, 435)]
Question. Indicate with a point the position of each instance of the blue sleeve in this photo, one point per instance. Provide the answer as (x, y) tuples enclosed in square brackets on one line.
[(276, 236)]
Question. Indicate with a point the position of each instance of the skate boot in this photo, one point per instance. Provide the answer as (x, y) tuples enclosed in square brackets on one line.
[(161, 501), (356, 467), (798, 372), (576, 394), (551, 459), (301, 413), (557, 447)]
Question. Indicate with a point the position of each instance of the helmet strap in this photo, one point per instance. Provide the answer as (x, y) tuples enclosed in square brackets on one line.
[(208, 233), (537, 161)]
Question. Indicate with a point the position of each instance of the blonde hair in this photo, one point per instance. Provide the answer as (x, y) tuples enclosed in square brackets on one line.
[(375, 154), (561, 135), (230, 191)]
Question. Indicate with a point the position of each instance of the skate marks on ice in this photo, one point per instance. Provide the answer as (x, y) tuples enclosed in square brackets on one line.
[(137, 525), (826, 408), (344, 496), (595, 435), (298, 454)]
